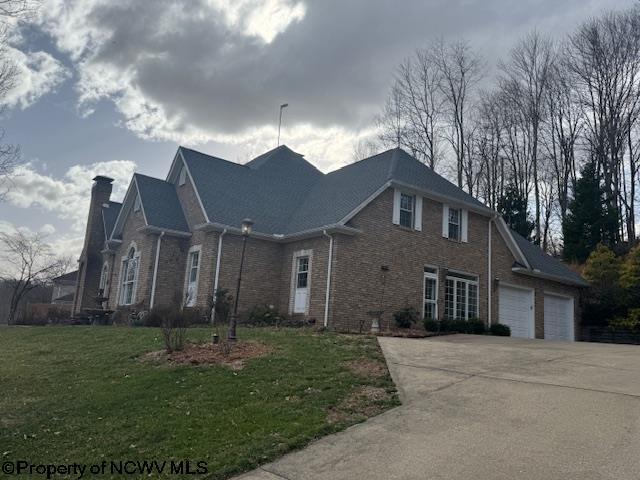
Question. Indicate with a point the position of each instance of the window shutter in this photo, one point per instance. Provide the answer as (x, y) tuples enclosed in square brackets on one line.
[(396, 206), (464, 222), (445, 220), (418, 214)]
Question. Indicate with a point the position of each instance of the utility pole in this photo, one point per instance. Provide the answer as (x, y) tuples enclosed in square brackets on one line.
[(282, 107)]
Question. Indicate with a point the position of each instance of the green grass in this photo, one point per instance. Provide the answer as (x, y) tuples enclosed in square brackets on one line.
[(79, 394)]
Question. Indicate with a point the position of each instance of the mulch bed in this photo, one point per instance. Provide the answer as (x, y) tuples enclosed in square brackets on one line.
[(409, 333), (210, 354)]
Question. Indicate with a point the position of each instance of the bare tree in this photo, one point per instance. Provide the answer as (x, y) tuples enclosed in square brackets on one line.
[(9, 154), (461, 69), (525, 78), (27, 263), (364, 148)]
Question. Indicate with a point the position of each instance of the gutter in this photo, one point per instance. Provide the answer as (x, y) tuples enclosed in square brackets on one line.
[(217, 275), (279, 237), (328, 290), (547, 276), (155, 271)]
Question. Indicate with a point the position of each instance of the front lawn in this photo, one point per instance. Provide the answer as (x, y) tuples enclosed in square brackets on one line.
[(81, 394)]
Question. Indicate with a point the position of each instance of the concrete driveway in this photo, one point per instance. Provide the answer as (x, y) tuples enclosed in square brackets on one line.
[(478, 407)]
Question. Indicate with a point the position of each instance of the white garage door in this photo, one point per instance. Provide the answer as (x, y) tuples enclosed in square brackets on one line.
[(515, 308), (558, 317)]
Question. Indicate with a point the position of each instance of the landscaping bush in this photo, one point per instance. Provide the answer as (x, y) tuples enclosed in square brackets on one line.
[(631, 322), (264, 315), (473, 326), (406, 318), (173, 327), (431, 325), (500, 330)]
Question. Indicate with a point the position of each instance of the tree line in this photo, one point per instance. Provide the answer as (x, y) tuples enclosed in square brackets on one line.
[(554, 129)]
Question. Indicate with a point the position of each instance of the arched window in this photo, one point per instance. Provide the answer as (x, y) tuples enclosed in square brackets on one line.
[(129, 277), (104, 280)]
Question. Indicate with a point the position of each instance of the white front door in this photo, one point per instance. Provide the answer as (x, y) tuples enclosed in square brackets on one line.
[(301, 285), (558, 318), (515, 309)]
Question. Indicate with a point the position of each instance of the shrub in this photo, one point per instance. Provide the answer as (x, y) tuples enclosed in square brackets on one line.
[(406, 317), (631, 322), (473, 326), (223, 306), (264, 315), (173, 327), (431, 325), (500, 330)]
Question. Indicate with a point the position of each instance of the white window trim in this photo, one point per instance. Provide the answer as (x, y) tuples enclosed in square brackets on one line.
[(434, 276), (451, 275), (463, 222), (121, 278), (294, 278), (194, 248), (417, 208)]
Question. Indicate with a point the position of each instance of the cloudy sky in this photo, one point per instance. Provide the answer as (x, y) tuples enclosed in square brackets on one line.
[(110, 86)]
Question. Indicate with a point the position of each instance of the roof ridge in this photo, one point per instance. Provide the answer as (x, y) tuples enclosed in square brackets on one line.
[(213, 157)]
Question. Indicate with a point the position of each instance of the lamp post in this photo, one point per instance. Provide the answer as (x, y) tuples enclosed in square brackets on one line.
[(233, 321), (282, 107)]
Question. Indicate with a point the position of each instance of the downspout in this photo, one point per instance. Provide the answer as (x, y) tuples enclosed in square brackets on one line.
[(155, 270), (217, 276), (327, 293), (489, 275)]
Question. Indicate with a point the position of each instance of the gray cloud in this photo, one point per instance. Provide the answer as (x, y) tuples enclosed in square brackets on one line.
[(194, 72)]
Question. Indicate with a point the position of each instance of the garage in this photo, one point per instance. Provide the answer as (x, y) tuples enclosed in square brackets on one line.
[(558, 317), (515, 309)]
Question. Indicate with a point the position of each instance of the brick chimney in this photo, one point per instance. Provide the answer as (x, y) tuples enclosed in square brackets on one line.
[(90, 263)]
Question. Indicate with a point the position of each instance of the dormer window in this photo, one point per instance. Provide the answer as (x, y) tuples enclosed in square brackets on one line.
[(182, 178)]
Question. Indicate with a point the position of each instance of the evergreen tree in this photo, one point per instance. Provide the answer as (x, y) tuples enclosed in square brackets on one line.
[(588, 220), (513, 208)]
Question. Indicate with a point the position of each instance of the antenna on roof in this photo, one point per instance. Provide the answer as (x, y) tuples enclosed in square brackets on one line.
[(282, 107)]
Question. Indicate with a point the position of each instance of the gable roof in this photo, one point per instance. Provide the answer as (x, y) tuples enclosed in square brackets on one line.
[(109, 215), (70, 277), (285, 196), (160, 203), (544, 263)]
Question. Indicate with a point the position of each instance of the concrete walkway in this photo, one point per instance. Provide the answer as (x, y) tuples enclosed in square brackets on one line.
[(478, 407)]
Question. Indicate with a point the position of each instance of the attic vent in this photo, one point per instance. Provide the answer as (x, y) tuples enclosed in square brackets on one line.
[(182, 179)]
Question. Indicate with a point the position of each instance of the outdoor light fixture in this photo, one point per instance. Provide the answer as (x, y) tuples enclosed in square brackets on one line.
[(247, 223)]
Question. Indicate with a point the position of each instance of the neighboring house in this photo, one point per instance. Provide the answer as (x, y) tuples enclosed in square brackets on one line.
[(383, 233), (64, 288)]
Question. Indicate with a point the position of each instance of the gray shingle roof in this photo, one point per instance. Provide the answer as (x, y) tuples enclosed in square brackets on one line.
[(70, 277), (545, 263), (160, 203), (285, 194), (109, 216)]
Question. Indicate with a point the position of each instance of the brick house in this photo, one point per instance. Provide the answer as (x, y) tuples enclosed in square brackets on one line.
[(383, 233)]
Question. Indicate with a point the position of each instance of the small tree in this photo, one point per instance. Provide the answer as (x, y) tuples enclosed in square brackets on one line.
[(630, 277), (513, 208), (602, 269), (27, 263)]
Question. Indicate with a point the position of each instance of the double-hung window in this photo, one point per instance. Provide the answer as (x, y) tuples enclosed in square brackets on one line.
[(129, 278), (461, 297), (430, 293), (407, 210), (193, 265), (455, 222)]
